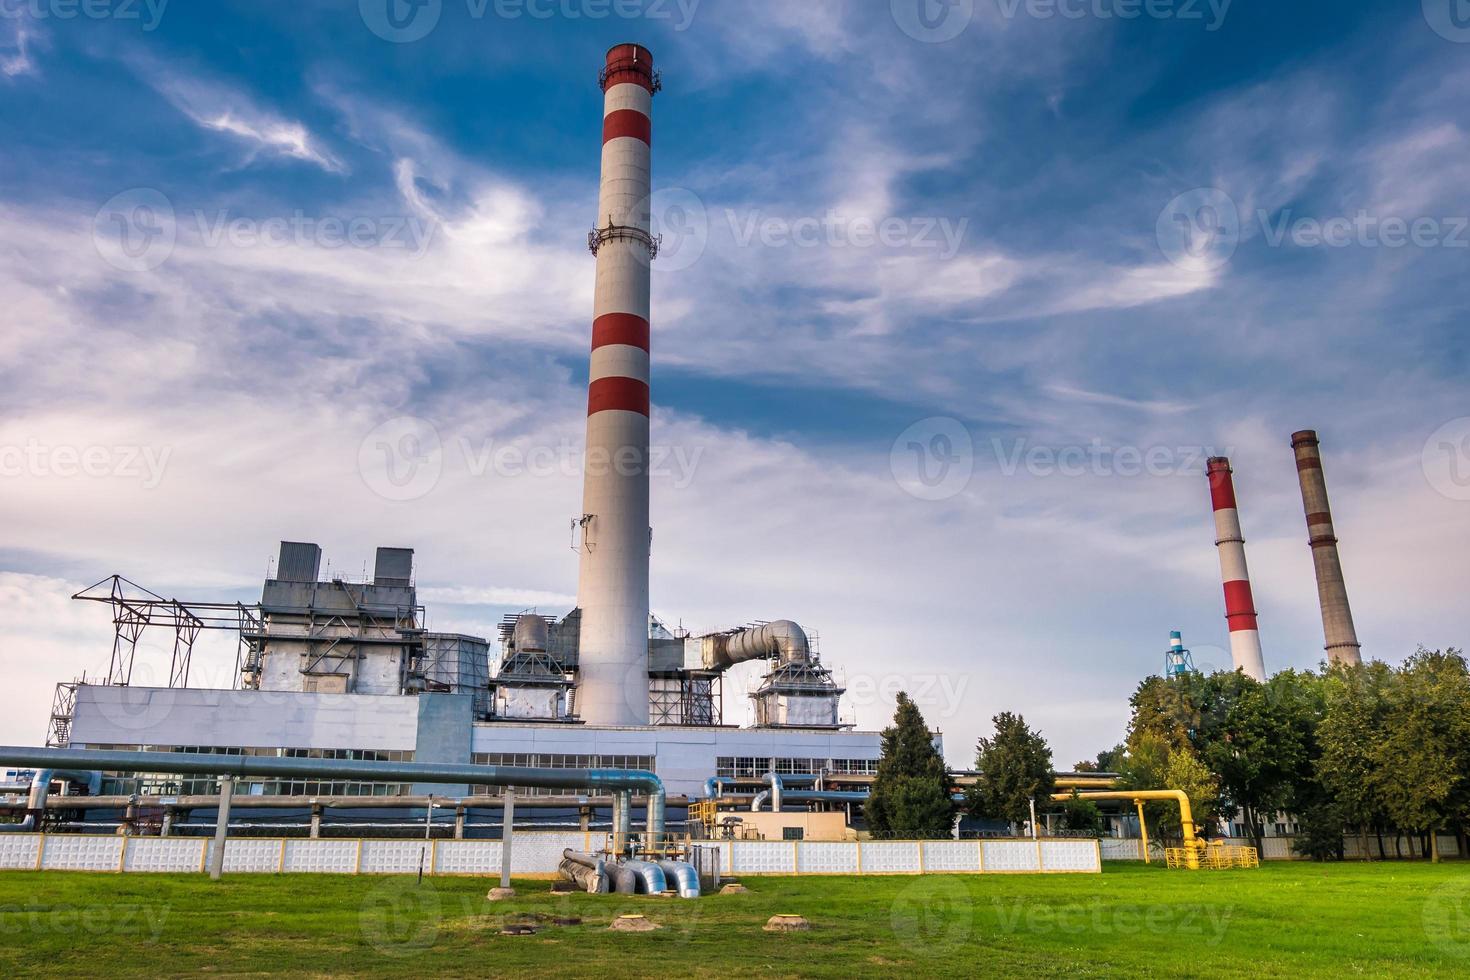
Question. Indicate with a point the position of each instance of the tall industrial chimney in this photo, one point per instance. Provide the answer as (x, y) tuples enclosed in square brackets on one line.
[(1240, 606), (612, 584), (1337, 617)]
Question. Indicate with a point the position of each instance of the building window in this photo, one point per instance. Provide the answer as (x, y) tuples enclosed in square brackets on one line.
[(793, 833)]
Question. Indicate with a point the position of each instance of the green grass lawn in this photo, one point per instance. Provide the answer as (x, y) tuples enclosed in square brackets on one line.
[(1285, 920)]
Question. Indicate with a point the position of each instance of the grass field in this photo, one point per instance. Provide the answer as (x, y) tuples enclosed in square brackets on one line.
[(1284, 920)]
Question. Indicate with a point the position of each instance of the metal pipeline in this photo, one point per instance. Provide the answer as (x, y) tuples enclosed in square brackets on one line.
[(597, 878), (1192, 844), (193, 763), (782, 640), (650, 876), (40, 788), (624, 881), (684, 877)]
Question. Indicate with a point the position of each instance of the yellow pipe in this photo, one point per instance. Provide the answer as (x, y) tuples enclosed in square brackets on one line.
[(1186, 816), (1142, 833), (1087, 782)]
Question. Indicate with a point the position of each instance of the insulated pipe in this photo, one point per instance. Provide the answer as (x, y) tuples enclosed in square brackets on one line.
[(1337, 616), (774, 781), (624, 881), (714, 787), (683, 876), (612, 580), (1240, 606), (39, 790), (782, 640), (650, 876), (622, 780)]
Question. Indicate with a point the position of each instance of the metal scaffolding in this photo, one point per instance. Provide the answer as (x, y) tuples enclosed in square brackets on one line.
[(135, 608)]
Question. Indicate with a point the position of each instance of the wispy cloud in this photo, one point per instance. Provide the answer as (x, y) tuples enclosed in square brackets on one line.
[(220, 108), (16, 49)]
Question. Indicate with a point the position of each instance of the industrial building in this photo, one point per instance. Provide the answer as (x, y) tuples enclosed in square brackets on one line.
[(334, 668)]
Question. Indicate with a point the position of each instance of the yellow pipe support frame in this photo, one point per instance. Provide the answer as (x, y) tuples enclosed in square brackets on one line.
[(1142, 833), (1192, 845)]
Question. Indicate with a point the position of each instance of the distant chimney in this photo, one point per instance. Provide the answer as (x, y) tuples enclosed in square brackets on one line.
[(1240, 605), (1337, 617)]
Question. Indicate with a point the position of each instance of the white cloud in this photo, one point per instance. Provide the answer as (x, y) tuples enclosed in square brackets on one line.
[(220, 108)]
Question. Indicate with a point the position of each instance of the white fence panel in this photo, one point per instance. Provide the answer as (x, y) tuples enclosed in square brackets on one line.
[(1070, 855), (1011, 855), (64, 853), (250, 855), (891, 857), (324, 856), (19, 851), (174, 854), (824, 857), (762, 857), (475, 857), (951, 855), (393, 857)]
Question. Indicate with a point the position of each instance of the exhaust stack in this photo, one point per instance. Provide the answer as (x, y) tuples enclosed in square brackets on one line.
[(1240, 606), (1337, 617), (612, 582)]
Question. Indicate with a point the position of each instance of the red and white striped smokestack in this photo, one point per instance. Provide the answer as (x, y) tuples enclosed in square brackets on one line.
[(1240, 606), (612, 583), (1337, 616)]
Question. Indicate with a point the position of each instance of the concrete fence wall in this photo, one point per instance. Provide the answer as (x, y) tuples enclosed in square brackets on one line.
[(1280, 848), (534, 853)]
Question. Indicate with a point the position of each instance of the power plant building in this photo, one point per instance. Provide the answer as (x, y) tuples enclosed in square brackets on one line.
[(347, 668)]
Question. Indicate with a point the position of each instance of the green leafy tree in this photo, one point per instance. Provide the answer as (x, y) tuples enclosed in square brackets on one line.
[(910, 797), (1253, 743), (1082, 816), (1423, 769), (1015, 769), (1352, 728), (1108, 760)]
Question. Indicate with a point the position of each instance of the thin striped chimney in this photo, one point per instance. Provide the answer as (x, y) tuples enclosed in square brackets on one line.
[(612, 583), (1337, 617), (1240, 606)]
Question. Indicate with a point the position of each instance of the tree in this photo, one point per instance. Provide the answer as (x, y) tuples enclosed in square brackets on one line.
[(1082, 816), (1108, 760), (1250, 739), (1424, 770), (1351, 730), (911, 793), (1151, 764), (1014, 770)]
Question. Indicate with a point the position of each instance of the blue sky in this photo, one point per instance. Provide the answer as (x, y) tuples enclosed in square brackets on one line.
[(1099, 249)]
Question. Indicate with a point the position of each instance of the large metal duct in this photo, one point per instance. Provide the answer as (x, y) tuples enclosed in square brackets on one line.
[(620, 780), (612, 582), (782, 640), (1337, 616), (1240, 605)]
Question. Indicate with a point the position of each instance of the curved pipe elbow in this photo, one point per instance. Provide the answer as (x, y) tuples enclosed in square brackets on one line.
[(783, 640), (684, 877), (649, 877), (755, 804)]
